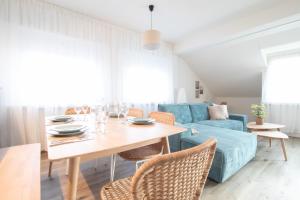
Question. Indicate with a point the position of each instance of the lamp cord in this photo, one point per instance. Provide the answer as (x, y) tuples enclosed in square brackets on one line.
[(151, 8), (151, 20)]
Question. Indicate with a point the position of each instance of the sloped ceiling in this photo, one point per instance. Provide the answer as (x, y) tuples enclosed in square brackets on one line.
[(235, 69), (221, 40), (227, 56)]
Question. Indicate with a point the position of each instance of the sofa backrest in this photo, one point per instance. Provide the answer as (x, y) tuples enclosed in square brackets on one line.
[(182, 112), (186, 113), (199, 111)]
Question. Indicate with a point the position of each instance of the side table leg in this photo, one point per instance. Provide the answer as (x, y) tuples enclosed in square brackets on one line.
[(270, 142), (283, 149)]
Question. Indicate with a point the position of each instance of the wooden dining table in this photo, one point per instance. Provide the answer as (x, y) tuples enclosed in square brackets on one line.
[(119, 136)]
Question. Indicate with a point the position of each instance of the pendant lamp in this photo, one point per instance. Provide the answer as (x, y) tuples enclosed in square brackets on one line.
[(151, 37)]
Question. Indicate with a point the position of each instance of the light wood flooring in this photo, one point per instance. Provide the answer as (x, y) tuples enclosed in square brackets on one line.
[(267, 177)]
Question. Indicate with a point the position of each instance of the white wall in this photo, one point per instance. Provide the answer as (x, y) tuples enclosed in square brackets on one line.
[(185, 77), (239, 105)]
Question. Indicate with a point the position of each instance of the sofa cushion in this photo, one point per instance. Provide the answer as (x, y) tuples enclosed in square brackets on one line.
[(199, 112), (234, 149), (181, 111), (228, 123), (216, 113)]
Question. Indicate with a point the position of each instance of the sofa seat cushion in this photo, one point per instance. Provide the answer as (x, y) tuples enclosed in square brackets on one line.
[(234, 149), (228, 123), (181, 112), (199, 111)]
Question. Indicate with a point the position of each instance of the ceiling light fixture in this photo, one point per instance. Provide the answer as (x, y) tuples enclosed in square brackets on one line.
[(151, 38)]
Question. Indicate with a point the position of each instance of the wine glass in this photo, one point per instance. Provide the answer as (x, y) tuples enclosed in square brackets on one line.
[(78, 111), (119, 109), (85, 109)]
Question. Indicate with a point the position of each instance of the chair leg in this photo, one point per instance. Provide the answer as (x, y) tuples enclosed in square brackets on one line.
[(67, 167), (112, 167), (50, 169), (139, 163), (136, 166), (96, 164)]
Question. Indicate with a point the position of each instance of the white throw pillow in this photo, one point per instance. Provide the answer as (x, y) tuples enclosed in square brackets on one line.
[(218, 112)]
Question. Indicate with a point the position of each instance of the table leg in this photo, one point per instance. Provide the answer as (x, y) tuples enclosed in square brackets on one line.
[(270, 142), (74, 165), (283, 149), (166, 146), (67, 167)]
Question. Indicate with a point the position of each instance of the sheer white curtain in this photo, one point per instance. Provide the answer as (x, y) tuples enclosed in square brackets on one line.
[(145, 80), (281, 92), (51, 57)]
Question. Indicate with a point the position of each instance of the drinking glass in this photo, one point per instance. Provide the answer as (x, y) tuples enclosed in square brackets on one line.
[(101, 118), (124, 111)]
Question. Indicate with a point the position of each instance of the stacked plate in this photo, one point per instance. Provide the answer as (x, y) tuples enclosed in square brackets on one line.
[(141, 121), (68, 130), (61, 118)]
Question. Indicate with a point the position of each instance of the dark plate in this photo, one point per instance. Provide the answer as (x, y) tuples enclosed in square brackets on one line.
[(141, 121), (57, 134)]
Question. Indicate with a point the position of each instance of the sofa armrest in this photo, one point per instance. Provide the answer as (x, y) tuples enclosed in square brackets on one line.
[(175, 140), (242, 118)]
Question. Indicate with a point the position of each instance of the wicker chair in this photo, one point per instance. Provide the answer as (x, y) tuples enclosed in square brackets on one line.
[(180, 175), (144, 153), (71, 111), (135, 112)]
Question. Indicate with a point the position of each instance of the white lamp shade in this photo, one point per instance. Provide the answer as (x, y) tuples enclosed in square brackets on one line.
[(151, 39), (181, 96)]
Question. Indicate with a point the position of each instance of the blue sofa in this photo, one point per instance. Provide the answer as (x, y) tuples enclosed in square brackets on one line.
[(235, 146)]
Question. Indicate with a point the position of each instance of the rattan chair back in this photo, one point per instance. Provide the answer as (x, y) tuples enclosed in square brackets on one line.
[(180, 175), (136, 112), (163, 117)]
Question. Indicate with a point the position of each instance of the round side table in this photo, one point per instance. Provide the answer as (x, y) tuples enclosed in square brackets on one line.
[(270, 131)]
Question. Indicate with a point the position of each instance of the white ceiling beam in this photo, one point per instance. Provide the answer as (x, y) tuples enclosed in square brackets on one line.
[(280, 17)]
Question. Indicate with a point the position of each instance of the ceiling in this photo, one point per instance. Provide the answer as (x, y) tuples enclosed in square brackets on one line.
[(174, 18), (220, 39)]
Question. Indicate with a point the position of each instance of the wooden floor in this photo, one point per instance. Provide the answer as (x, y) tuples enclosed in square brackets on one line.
[(267, 177)]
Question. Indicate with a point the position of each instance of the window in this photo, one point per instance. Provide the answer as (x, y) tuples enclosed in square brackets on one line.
[(282, 80), (52, 69), (146, 78), (51, 79), (146, 85)]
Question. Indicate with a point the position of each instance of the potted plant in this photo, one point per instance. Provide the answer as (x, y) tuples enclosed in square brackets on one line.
[(259, 112)]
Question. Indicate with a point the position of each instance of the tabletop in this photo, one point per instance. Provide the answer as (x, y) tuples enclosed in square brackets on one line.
[(265, 126), (271, 134), (118, 137), (20, 172)]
